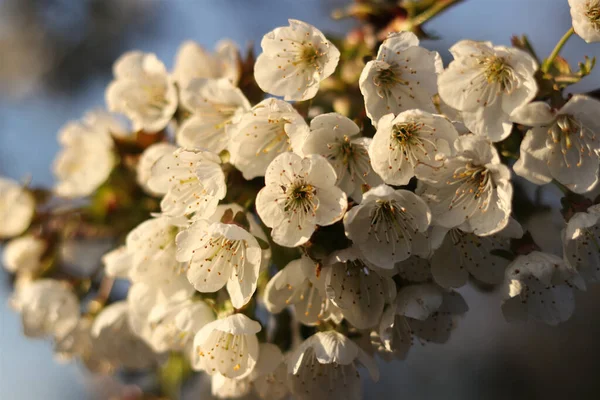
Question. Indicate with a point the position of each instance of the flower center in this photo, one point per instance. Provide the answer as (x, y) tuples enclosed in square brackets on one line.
[(497, 71), (309, 55), (568, 133), (152, 99), (409, 141), (386, 78), (593, 13), (301, 197), (354, 159), (475, 183), (405, 132)]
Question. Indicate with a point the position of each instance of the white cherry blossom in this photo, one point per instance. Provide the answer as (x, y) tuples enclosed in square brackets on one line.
[(220, 254), (147, 160), (486, 84), (87, 156), (338, 139), (462, 253), (193, 61), (300, 193), (47, 307), (358, 288), (17, 208), (297, 285), (143, 91), (539, 287), (562, 145), (412, 138), (227, 346), (215, 104), (24, 254), (471, 191), (294, 61), (325, 366), (402, 77), (388, 226), (586, 19), (113, 338), (270, 128), (581, 243), (423, 313), (192, 181)]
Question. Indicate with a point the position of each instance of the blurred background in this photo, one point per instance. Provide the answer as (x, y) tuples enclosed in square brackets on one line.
[(55, 61)]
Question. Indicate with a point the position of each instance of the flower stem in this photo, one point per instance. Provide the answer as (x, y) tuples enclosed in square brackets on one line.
[(432, 11), (548, 62)]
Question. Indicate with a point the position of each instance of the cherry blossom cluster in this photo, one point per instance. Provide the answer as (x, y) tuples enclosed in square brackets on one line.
[(286, 245)]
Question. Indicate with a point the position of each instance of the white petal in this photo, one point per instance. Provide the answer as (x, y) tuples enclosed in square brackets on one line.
[(537, 113)]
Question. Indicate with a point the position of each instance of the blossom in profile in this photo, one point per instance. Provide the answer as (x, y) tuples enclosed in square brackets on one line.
[(581, 243), (215, 104), (294, 61), (17, 208), (402, 77), (359, 289), (24, 254), (486, 84), (270, 128), (193, 62), (48, 307), (338, 139), (539, 287), (227, 346), (459, 254), (87, 157), (300, 193), (325, 365), (192, 182), (143, 91), (586, 19), (388, 226), (220, 254), (562, 145), (411, 138), (471, 191), (299, 286)]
